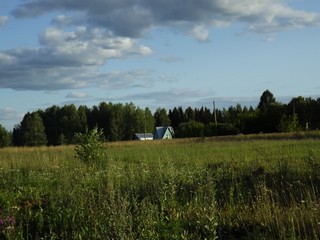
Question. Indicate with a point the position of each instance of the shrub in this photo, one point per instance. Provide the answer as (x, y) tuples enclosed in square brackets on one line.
[(90, 146)]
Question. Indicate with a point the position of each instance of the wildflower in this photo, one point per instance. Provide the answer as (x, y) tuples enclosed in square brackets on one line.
[(16, 208)]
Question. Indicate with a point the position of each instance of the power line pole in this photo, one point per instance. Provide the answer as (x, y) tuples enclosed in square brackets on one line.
[(215, 116)]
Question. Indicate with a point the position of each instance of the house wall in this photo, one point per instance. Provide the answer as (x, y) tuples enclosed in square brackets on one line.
[(167, 135)]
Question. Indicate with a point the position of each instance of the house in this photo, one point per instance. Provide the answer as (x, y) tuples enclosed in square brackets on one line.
[(143, 136), (163, 133)]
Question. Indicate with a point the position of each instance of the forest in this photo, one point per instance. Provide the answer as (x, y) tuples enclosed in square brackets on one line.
[(119, 122)]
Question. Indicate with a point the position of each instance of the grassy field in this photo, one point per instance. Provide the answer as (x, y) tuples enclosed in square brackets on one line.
[(258, 187)]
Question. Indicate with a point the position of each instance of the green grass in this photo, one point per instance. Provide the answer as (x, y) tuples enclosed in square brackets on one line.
[(263, 187)]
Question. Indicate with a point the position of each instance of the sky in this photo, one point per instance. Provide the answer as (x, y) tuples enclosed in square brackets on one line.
[(155, 53)]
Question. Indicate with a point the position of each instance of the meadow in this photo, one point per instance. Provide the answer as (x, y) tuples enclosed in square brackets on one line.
[(257, 187)]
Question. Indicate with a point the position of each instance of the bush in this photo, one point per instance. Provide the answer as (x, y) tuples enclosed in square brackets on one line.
[(90, 146)]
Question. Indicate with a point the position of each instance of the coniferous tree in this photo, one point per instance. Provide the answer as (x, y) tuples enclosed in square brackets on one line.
[(176, 117), (17, 136), (102, 116), (189, 114), (82, 113), (50, 119)]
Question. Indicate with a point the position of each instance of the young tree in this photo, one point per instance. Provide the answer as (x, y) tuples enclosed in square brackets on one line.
[(89, 149)]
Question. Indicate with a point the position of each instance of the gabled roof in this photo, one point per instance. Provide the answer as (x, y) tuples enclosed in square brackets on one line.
[(161, 131)]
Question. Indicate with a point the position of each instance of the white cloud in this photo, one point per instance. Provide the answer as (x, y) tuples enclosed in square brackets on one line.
[(140, 78), (8, 114), (201, 33), (170, 96), (77, 95), (64, 59), (3, 20), (170, 59), (102, 30)]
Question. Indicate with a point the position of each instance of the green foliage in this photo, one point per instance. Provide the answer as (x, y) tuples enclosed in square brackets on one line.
[(121, 121), (161, 118), (32, 130), (5, 137), (289, 124), (70, 122), (266, 100), (198, 129), (89, 149), (190, 129)]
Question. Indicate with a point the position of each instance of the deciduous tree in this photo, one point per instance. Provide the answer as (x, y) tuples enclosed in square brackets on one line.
[(161, 117), (32, 130), (5, 137)]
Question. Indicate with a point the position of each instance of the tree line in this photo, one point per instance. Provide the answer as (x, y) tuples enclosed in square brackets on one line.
[(58, 125)]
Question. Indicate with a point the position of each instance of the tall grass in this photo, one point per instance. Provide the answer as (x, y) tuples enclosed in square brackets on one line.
[(194, 189)]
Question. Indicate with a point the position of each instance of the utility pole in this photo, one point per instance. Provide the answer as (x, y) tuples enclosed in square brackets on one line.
[(145, 125), (215, 116)]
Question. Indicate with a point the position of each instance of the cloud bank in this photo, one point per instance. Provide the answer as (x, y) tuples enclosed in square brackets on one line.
[(65, 60), (132, 18), (88, 34)]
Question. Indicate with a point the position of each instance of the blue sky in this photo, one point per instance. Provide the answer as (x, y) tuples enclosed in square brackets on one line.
[(156, 53)]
